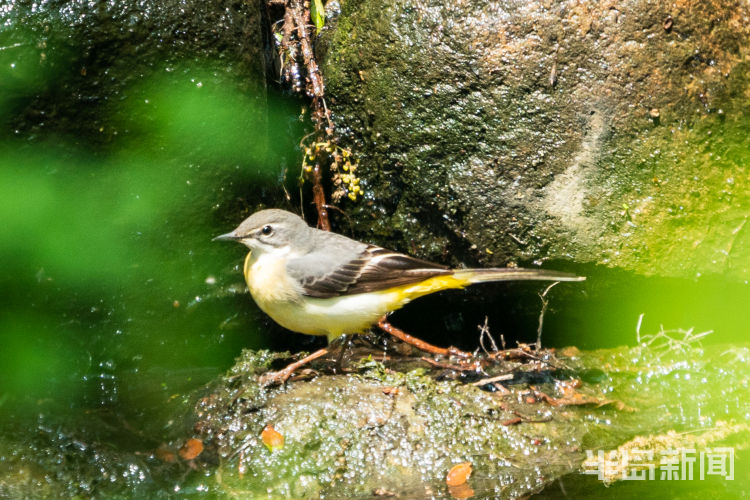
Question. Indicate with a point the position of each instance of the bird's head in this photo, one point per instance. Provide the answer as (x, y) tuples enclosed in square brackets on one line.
[(270, 230)]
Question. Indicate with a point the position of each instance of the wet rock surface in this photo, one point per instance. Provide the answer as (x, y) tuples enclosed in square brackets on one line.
[(610, 133), (401, 429)]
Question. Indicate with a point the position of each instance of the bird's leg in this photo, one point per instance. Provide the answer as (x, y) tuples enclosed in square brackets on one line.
[(346, 342), (281, 376), (420, 344)]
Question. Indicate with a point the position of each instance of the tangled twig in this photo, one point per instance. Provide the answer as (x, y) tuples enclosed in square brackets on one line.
[(295, 45)]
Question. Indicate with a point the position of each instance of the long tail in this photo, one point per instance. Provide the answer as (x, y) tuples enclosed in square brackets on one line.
[(461, 278), (513, 274)]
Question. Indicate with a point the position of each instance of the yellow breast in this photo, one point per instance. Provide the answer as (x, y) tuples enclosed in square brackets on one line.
[(267, 280)]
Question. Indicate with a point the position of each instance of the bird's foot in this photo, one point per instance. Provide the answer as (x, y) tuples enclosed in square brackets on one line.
[(281, 376), (421, 344)]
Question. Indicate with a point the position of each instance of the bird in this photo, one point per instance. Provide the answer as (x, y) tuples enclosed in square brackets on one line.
[(322, 283)]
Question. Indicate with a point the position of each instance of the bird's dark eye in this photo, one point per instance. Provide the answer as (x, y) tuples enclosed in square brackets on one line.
[(266, 230)]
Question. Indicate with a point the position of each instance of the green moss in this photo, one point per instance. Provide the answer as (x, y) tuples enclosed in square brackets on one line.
[(402, 431), (687, 197)]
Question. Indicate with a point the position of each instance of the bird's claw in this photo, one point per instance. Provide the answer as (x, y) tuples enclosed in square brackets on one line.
[(275, 378)]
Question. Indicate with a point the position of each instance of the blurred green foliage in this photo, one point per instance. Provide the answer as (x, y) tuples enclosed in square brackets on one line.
[(105, 240)]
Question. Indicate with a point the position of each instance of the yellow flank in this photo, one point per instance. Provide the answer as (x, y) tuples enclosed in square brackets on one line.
[(407, 293), (356, 313)]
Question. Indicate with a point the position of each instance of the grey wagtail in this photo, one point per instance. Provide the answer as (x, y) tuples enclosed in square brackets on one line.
[(321, 283)]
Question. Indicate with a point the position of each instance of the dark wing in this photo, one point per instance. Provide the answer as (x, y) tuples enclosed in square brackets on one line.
[(371, 270)]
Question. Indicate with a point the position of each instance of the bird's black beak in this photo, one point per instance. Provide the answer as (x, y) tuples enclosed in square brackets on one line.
[(227, 237)]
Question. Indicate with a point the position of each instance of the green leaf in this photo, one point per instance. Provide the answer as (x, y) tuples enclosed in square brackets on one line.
[(318, 14)]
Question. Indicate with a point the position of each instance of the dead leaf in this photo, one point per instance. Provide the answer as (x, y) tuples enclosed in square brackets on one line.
[(191, 449), (272, 438), (458, 474)]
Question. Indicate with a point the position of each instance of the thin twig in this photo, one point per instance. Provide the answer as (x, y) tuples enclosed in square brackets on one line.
[(545, 303), (496, 378), (638, 328), (468, 367), (298, 58), (484, 330), (319, 197)]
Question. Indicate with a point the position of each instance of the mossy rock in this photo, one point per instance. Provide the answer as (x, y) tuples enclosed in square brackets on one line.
[(494, 132)]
